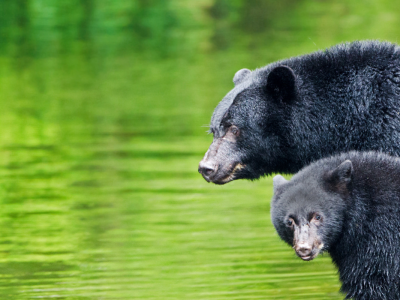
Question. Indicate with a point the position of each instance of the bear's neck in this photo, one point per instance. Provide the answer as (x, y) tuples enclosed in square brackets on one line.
[(367, 252)]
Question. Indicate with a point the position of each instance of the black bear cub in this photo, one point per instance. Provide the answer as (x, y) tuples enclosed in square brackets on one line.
[(349, 206)]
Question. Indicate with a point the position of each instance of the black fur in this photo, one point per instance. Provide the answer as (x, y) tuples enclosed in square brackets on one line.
[(296, 111), (360, 204)]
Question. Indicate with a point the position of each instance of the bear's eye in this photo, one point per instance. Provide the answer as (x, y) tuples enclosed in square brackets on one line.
[(234, 130), (289, 222), (317, 217)]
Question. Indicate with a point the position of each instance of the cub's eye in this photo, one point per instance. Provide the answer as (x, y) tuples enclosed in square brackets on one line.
[(317, 217), (234, 130), (289, 222)]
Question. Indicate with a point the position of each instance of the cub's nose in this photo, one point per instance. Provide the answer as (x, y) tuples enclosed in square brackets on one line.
[(207, 169), (304, 250)]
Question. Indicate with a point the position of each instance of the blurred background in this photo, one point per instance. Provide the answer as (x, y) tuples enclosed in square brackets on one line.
[(103, 112)]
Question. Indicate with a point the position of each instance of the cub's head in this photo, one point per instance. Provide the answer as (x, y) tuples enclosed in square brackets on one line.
[(308, 210), (248, 126)]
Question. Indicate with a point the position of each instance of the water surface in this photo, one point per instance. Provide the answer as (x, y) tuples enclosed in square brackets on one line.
[(103, 112)]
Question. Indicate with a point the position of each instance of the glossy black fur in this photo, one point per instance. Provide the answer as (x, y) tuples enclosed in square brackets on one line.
[(361, 227), (344, 98)]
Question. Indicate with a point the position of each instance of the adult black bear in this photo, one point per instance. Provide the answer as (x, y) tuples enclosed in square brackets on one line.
[(349, 206), (283, 116)]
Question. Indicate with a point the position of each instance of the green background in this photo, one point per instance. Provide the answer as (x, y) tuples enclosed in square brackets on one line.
[(104, 108)]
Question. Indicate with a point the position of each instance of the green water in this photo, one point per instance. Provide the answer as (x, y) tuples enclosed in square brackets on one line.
[(102, 127)]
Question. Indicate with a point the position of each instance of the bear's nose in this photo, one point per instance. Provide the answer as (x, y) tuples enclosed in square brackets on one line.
[(207, 169), (304, 249)]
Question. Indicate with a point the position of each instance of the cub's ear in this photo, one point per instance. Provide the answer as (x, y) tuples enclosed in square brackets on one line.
[(278, 181), (339, 178), (240, 75), (281, 84)]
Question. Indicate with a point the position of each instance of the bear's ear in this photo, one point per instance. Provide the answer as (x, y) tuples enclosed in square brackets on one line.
[(240, 75), (278, 181), (281, 84), (340, 177)]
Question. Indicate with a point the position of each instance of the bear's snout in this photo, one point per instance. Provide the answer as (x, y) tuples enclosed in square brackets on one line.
[(304, 250), (207, 169), (305, 242)]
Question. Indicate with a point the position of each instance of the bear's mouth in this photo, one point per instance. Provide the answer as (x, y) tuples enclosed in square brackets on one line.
[(307, 257), (228, 177)]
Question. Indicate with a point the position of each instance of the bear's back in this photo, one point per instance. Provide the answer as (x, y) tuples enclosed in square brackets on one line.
[(375, 178), (347, 57)]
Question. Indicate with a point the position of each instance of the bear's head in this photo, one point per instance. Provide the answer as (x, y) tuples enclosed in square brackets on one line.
[(248, 126), (308, 210)]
